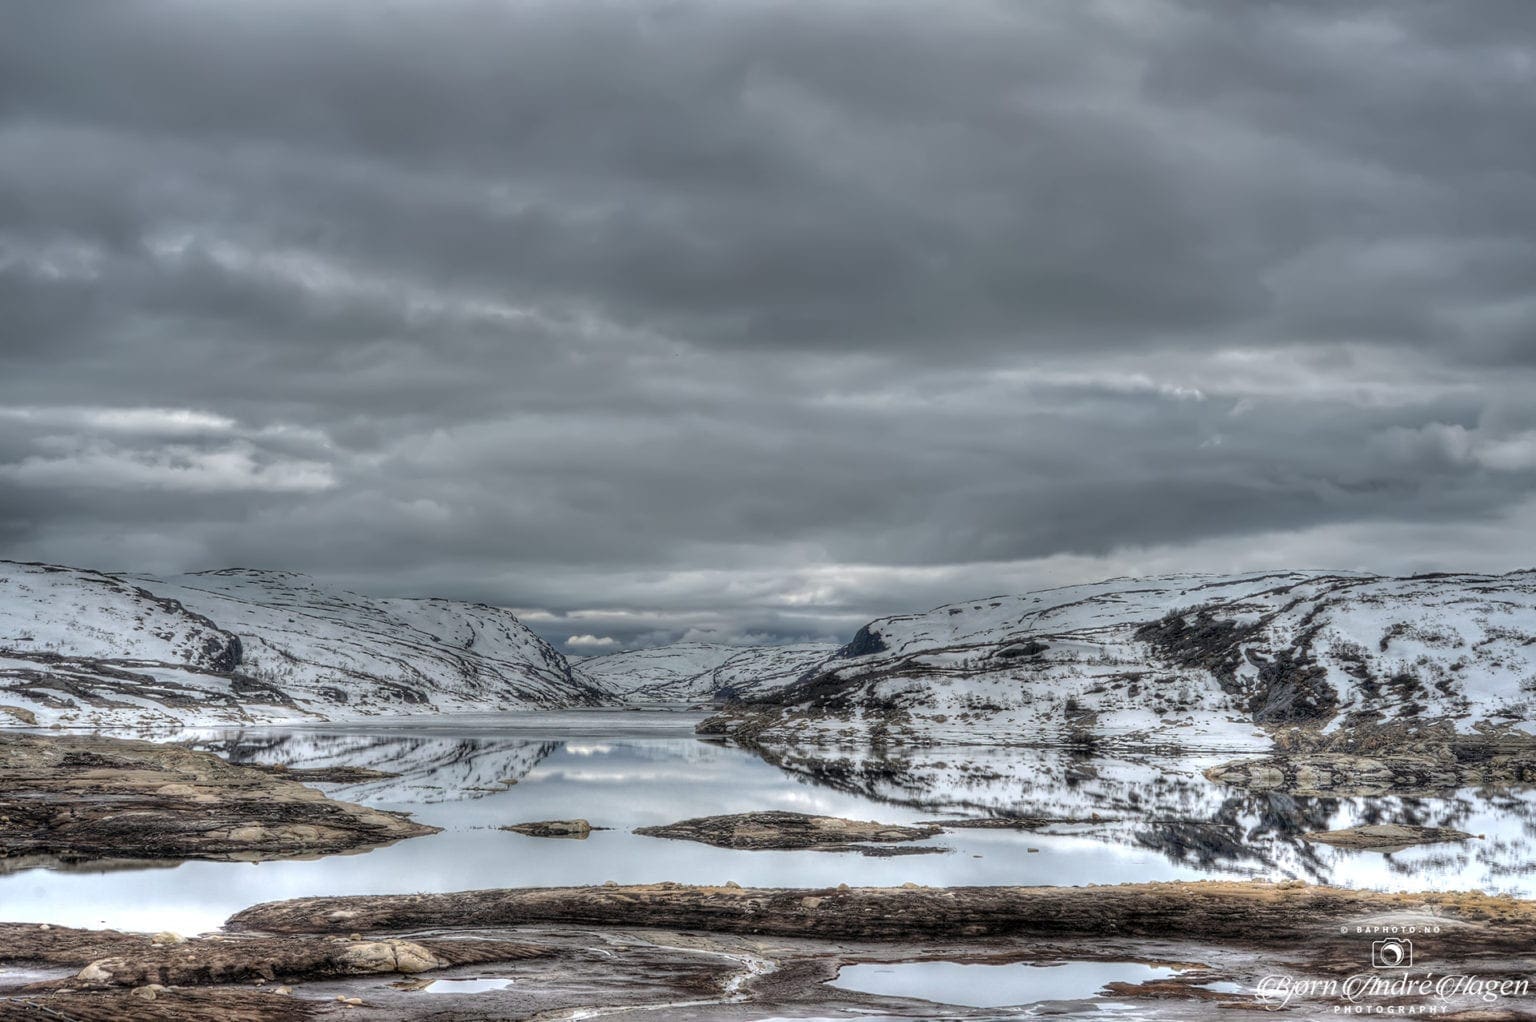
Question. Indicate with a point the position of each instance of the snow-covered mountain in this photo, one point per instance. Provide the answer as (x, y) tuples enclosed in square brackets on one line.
[(1198, 661), (690, 672), (84, 648)]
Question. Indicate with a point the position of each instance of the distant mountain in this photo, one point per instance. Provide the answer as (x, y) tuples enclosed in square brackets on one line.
[(84, 648), (1189, 660), (692, 672)]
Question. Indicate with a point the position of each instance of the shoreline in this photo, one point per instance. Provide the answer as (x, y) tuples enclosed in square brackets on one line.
[(684, 952)]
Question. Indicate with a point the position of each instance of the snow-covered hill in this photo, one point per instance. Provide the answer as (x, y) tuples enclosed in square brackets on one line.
[(84, 648), (691, 672), (1198, 661)]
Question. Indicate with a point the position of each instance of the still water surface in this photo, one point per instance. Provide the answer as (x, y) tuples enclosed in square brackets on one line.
[(471, 775), (994, 986)]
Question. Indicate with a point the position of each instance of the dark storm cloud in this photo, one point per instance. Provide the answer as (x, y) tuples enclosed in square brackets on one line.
[(757, 319)]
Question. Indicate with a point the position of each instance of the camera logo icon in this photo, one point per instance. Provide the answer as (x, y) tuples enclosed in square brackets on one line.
[(1392, 953)]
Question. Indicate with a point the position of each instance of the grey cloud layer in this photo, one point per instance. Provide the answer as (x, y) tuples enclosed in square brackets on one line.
[(602, 306)]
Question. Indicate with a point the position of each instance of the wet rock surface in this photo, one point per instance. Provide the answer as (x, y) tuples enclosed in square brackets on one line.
[(77, 799), (783, 830)]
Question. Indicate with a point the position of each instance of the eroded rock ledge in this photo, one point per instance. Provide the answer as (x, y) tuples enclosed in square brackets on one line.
[(75, 799), (1254, 913)]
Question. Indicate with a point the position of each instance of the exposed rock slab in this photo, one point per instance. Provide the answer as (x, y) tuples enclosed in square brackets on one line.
[(145, 1005), (782, 830), (729, 954), (80, 798), (1254, 912), (109, 958), (578, 829), (1386, 837)]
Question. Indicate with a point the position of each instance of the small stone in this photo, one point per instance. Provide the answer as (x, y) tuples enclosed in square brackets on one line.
[(732, 883), (909, 886), (96, 972), (167, 937), (283, 990)]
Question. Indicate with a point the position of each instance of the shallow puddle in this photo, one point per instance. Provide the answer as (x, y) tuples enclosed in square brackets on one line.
[(466, 986), (993, 986)]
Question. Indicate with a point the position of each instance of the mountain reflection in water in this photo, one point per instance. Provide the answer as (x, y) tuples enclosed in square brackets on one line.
[(1157, 818)]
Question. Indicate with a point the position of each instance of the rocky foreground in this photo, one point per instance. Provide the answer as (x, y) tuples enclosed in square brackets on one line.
[(732, 953), (77, 800)]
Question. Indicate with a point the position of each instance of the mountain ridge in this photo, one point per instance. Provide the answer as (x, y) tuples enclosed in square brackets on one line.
[(703, 671), (95, 649), (1198, 660)]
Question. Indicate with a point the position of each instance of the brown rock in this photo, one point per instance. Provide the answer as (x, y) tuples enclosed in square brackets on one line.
[(86, 798), (781, 830), (578, 829), (1385, 837)]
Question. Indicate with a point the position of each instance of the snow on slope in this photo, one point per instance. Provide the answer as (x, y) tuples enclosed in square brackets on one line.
[(1191, 660), (688, 672), (87, 649), (48, 609)]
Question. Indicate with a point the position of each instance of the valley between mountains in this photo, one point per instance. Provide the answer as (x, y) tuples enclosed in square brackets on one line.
[(1192, 661), (1278, 753)]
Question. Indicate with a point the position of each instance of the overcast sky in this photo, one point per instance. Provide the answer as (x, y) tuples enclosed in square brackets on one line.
[(731, 319)]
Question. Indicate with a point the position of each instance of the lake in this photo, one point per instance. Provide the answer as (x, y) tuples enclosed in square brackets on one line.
[(1158, 819)]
